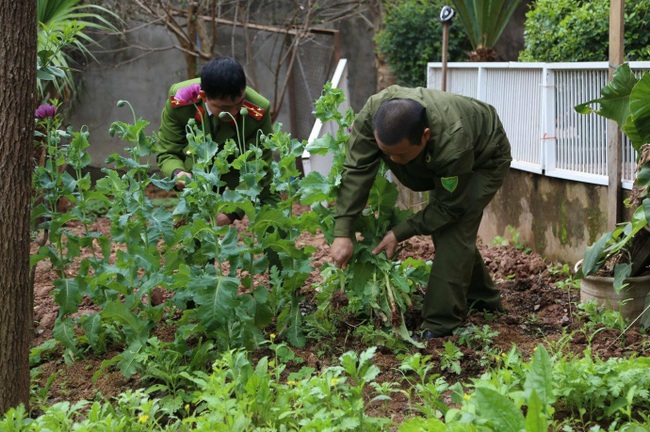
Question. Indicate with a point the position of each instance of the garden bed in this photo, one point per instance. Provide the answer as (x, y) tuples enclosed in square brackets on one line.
[(540, 299)]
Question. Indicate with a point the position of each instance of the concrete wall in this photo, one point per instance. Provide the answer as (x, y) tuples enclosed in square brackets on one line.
[(123, 73), (556, 218)]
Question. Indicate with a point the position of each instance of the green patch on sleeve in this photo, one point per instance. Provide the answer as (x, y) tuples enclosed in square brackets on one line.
[(449, 183)]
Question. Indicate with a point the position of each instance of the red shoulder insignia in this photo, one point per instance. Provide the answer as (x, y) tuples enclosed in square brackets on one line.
[(199, 114), (254, 111), (179, 103)]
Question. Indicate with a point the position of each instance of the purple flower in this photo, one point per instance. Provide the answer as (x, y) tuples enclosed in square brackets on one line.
[(45, 111), (188, 94)]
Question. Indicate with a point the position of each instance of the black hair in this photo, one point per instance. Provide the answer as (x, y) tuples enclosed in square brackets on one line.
[(223, 78), (397, 119)]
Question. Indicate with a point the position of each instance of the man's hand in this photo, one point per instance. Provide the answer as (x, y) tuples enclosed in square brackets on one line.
[(181, 177), (387, 244), (223, 219), (341, 251)]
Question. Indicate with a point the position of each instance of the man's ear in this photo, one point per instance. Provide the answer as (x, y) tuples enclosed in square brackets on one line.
[(426, 135)]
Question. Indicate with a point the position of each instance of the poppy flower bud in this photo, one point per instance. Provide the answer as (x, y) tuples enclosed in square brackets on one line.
[(45, 111)]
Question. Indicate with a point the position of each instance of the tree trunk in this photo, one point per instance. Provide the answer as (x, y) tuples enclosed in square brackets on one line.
[(17, 97), (482, 54)]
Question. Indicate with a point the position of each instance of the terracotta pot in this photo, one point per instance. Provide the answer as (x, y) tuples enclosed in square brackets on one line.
[(631, 301)]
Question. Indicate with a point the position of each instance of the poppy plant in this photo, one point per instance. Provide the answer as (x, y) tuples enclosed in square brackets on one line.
[(45, 111), (188, 94)]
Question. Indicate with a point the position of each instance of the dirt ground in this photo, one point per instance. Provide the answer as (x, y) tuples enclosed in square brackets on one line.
[(539, 309)]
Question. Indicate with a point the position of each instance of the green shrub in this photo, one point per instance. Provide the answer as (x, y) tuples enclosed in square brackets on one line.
[(578, 30), (412, 37)]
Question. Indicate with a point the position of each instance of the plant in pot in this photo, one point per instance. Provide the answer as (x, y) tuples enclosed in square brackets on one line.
[(614, 266)]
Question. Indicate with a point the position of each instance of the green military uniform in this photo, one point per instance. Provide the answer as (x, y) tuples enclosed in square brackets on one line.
[(463, 165), (172, 135)]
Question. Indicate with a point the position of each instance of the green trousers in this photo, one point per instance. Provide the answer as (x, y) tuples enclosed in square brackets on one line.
[(459, 278)]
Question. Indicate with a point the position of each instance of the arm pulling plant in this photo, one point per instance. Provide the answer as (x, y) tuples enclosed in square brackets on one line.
[(372, 283)]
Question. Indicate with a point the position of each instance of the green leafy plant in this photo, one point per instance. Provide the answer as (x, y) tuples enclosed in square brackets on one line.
[(240, 395), (450, 357), (577, 31), (63, 30), (412, 37), (594, 389), (371, 335), (626, 100), (132, 410), (563, 269), (480, 339), (514, 240), (498, 408), (373, 285), (165, 368), (476, 337), (156, 251), (428, 387), (600, 317)]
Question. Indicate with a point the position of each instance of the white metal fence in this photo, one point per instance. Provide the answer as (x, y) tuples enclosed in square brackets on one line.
[(536, 104), (323, 163)]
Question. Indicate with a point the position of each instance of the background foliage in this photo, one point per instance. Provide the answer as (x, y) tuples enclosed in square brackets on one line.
[(66, 30), (577, 30), (484, 23), (412, 37)]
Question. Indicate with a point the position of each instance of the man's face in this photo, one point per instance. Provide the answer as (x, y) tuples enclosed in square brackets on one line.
[(232, 106), (404, 151)]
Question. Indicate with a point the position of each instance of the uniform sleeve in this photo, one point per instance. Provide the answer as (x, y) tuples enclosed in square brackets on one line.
[(171, 140), (362, 162)]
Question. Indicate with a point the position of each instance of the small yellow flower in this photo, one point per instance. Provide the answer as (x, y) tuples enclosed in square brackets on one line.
[(466, 396), (272, 336), (143, 418), (334, 381), (291, 383)]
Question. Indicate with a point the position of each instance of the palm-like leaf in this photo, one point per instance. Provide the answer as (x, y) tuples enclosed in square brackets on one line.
[(625, 100), (62, 29), (640, 109), (484, 20)]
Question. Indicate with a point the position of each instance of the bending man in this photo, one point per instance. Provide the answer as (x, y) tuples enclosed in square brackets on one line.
[(456, 148)]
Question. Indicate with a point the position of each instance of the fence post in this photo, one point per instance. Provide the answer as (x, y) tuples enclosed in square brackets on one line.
[(614, 136), (548, 116), (446, 16), (481, 85)]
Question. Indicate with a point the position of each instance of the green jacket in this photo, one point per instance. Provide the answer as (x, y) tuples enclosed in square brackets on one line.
[(466, 136), (173, 144)]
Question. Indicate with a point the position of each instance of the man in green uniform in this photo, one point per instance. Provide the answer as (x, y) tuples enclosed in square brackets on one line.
[(216, 99), (456, 148)]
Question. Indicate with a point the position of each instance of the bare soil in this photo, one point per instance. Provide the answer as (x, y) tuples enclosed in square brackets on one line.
[(539, 309)]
